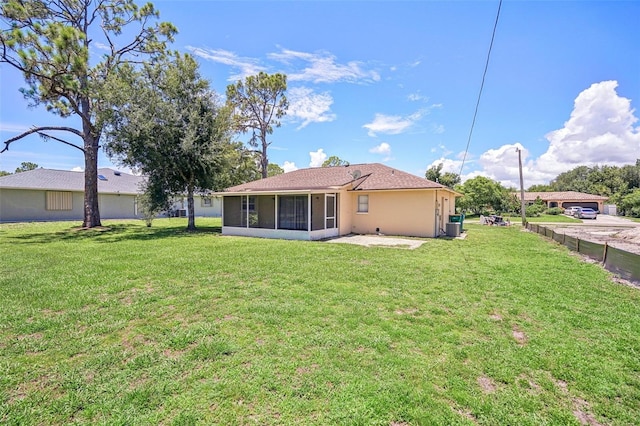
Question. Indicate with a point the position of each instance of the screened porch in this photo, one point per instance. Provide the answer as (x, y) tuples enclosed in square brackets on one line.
[(289, 216)]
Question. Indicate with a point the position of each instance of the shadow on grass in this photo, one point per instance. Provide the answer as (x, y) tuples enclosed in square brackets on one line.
[(114, 233)]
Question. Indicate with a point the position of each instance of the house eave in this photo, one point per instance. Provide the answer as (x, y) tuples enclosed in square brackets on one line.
[(80, 191), (277, 192)]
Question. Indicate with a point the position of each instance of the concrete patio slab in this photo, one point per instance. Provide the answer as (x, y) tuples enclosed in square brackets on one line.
[(378, 241)]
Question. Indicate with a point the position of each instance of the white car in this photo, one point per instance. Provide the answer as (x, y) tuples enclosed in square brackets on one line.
[(572, 211), (586, 213)]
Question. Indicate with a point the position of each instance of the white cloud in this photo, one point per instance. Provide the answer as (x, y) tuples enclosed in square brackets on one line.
[(289, 166), (448, 165), (599, 131), (309, 107), (245, 66), (395, 124), (77, 169), (501, 164), (384, 148), (388, 124), (323, 68), (317, 158), (416, 97)]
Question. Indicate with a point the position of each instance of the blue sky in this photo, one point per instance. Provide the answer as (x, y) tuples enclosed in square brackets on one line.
[(397, 82)]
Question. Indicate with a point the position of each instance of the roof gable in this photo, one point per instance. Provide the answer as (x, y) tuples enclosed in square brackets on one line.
[(365, 177), (66, 180)]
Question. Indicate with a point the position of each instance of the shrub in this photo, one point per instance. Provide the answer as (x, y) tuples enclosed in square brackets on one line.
[(534, 210), (555, 211)]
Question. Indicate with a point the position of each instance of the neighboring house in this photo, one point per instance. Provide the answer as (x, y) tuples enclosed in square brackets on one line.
[(45, 194), (323, 202), (566, 199), (204, 205)]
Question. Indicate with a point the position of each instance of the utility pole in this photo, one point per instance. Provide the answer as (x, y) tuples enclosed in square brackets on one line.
[(522, 208)]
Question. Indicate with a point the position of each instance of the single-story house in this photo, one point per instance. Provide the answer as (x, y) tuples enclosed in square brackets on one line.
[(208, 205), (324, 202), (46, 194), (566, 199)]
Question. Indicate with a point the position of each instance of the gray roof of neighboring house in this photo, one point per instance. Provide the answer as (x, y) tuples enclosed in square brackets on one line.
[(562, 195), (114, 182), (365, 177)]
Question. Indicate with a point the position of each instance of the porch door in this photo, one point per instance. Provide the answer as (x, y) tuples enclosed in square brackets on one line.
[(330, 214)]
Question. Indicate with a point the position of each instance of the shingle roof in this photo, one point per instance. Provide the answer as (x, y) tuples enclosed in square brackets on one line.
[(65, 180), (371, 177), (563, 195)]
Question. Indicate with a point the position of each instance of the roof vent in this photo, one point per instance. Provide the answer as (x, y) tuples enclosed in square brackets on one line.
[(117, 173), (101, 177)]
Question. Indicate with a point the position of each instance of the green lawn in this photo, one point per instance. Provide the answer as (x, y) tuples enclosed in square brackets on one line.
[(548, 218), (140, 326)]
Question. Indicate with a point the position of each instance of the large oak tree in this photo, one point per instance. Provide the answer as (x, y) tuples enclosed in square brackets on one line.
[(52, 42), (169, 125)]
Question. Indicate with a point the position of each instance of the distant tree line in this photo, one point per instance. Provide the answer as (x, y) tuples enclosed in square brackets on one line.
[(25, 166), (481, 194)]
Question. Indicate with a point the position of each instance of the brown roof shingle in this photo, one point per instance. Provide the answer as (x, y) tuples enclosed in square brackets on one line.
[(372, 177), (562, 195)]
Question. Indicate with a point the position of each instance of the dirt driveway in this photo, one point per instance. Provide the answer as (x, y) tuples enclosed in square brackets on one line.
[(616, 231)]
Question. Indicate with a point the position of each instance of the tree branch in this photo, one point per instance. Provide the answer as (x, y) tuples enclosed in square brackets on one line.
[(47, 137), (41, 129)]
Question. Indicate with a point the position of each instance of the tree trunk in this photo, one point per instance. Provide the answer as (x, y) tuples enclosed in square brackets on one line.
[(191, 211), (91, 211), (264, 161)]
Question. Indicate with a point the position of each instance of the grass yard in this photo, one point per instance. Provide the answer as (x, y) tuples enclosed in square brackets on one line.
[(548, 218), (140, 326)]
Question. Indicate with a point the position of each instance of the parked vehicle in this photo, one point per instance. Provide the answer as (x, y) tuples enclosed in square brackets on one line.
[(586, 213), (571, 211)]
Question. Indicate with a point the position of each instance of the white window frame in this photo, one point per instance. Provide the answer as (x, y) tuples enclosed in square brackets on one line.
[(363, 203), (330, 215)]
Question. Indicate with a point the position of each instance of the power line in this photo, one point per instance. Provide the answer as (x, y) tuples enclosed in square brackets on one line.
[(484, 74)]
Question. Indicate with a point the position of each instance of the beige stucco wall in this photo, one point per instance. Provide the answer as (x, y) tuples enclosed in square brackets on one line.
[(113, 206), (398, 212), (345, 212), (20, 205), (408, 213)]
